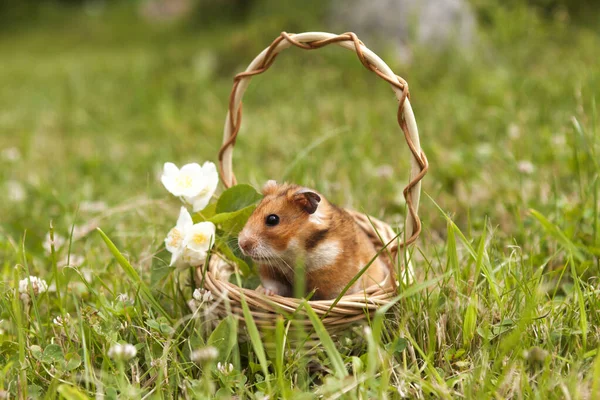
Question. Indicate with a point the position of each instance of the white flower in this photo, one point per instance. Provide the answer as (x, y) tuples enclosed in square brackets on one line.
[(202, 295), (195, 184), (11, 154), (38, 285), (59, 242), (16, 191), (198, 240), (225, 368), (124, 298), (189, 241), (174, 241), (208, 353), (122, 352), (526, 167), (62, 321), (514, 132)]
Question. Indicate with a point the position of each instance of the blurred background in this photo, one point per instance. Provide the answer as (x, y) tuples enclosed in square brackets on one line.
[(95, 95)]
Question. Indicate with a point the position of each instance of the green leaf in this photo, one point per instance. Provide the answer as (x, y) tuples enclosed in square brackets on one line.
[(237, 198), (208, 212), (153, 324), (233, 222), (167, 329), (160, 267), (71, 393), (160, 325), (36, 352), (470, 321), (73, 361), (53, 353), (398, 345), (224, 337)]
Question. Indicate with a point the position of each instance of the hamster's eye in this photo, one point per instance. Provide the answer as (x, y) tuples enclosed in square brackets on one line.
[(272, 220)]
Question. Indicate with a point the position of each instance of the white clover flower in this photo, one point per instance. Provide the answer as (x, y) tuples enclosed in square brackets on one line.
[(62, 321), (225, 368), (208, 353), (202, 295), (526, 167), (122, 352), (59, 242), (188, 241), (38, 285), (124, 298), (193, 183)]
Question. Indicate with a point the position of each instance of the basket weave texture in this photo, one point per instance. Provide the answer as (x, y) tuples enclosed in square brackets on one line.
[(335, 315)]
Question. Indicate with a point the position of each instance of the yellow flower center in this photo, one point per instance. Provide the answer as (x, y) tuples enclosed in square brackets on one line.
[(199, 238), (175, 237), (184, 181)]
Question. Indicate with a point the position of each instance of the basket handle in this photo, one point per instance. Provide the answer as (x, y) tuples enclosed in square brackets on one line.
[(316, 40)]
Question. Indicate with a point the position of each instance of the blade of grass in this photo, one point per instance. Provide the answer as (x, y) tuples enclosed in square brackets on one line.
[(412, 290), (255, 339), (358, 275), (558, 234), (334, 356), (133, 275), (583, 324), (595, 392), (279, 353)]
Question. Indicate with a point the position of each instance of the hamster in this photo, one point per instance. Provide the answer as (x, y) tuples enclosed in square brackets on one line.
[(293, 225)]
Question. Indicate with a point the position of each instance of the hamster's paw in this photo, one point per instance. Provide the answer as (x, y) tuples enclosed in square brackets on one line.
[(265, 291)]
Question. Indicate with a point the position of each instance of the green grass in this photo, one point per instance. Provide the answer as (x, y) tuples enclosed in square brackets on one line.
[(507, 291)]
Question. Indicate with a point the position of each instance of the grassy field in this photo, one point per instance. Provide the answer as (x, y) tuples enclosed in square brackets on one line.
[(507, 299)]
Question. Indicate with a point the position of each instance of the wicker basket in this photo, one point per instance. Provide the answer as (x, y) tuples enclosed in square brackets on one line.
[(336, 316)]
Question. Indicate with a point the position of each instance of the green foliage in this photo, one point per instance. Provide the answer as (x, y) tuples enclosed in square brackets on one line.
[(237, 198), (506, 296)]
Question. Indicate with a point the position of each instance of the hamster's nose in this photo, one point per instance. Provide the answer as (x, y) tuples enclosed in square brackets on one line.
[(246, 244)]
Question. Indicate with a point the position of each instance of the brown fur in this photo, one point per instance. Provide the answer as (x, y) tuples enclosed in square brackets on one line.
[(297, 237)]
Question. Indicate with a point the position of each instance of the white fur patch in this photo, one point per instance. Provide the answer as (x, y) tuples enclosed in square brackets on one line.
[(323, 255), (317, 217)]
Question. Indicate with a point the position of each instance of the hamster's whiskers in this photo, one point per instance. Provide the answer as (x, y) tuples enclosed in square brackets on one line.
[(285, 262)]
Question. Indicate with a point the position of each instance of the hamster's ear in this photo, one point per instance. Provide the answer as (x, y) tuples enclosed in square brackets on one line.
[(307, 200), (269, 188)]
